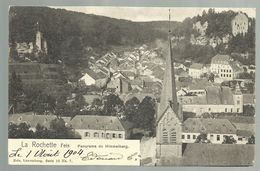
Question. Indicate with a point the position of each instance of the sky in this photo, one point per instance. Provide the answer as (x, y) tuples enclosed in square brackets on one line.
[(150, 13)]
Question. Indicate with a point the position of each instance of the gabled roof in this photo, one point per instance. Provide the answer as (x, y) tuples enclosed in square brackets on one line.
[(95, 75), (220, 59), (31, 119), (196, 154), (196, 66), (208, 126), (94, 122)]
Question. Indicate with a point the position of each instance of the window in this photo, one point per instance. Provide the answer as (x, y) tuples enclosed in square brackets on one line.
[(218, 137), (87, 134), (119, 135), (96, 134), (188, 137), (173, 136), (165, 136), (231, 110), (114, 135), (194, 137), (225, 109), (240, 139), (209, 109), (238, 110), (107, 135), (183, 137), (238, 102)]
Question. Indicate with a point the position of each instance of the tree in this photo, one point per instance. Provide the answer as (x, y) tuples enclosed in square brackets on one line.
[(113, 105), (211, 77), (20, 131), (43, 104), (251, 140), (229, 140), (96, 104), (249, 110), (131, 108), (202, 138), (58, 130), (145, 118), (15, 89)]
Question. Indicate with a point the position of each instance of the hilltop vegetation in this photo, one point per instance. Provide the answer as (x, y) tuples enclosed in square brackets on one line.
[(71, 34)]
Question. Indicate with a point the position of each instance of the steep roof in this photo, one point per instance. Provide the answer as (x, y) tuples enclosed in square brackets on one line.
[(196, 154), (31, 119), (215, 95), (196, 66), (95, 75), (220, 59), (169, 86), (208, 126), (94, 122)]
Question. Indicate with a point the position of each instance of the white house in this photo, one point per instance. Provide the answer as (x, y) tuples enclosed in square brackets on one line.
[(98, 127), (215, 129), (224, 68), (195, 70), (216, 100), (92, 78)]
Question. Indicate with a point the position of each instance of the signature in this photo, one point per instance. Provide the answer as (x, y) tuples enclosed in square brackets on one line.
[(110, 156)]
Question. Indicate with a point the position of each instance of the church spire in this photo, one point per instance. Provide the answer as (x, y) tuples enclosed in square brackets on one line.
[(168, 95)]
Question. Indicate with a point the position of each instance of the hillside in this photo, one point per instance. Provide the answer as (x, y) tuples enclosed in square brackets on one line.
[(71, 34)]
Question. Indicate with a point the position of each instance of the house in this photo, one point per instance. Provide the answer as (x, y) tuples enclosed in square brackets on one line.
[(119, 84), (93, 78), (216, 100), (195, 70), (31, 119), (240, 24), (98, 127), (88, 126), (224, 68), (215, 129)]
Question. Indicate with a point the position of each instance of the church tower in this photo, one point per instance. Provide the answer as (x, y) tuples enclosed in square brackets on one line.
[(169, 117), (238, 99)]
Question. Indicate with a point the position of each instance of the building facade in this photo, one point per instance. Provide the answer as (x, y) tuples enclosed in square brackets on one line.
[(224, 68), (240, 24), (216, 100)]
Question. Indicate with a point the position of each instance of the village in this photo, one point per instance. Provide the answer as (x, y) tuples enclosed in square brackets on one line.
[(217, 99)]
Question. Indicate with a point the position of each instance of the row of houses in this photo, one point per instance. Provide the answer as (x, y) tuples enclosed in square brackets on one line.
[(111, 127)]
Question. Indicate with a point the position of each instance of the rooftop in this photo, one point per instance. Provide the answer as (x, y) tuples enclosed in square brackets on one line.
[(208, 125), (94, 122), (213, 155), (32, 119), (196, 66)]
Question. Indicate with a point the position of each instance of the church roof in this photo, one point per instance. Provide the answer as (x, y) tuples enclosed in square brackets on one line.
[(169, 86)]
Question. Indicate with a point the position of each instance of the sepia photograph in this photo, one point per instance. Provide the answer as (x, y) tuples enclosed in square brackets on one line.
[(177, 82)]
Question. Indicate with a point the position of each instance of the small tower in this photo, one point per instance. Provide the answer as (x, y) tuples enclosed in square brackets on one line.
[(238, 99)]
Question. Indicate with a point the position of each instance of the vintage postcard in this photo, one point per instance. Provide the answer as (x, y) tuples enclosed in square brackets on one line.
[(136, 86)]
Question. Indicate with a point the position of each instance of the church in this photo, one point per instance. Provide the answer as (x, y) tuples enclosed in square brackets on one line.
[(169, 119)]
